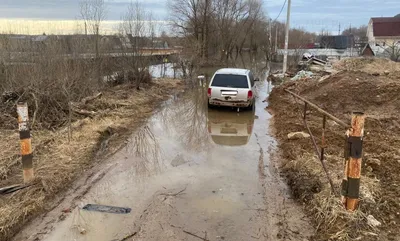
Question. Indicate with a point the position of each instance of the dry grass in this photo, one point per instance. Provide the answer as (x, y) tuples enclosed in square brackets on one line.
[(357, 88), (59, 162), (368, 65), (308, 180)]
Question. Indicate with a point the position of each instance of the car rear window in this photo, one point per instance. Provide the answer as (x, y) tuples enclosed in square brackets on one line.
[(230, 80)]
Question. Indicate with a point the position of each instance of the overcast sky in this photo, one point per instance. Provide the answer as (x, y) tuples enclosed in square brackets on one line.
[(313, 15)]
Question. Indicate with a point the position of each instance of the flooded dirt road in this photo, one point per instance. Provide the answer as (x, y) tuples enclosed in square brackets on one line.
[(188, 174)]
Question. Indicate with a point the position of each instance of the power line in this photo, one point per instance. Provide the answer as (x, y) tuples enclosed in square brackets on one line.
[(284, 4)]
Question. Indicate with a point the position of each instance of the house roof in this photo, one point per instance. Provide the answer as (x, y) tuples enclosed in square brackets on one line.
[(386, 27), (369, 47)]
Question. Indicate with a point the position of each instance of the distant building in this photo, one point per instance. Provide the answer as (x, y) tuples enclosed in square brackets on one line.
[(383, 31), (145, 42), (160, 44), (336, 42), (321, 53)]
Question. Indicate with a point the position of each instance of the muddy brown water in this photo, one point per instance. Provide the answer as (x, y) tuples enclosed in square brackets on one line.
[(189, 173)]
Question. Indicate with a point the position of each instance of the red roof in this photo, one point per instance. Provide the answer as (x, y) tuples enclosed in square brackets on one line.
[(385, 27)]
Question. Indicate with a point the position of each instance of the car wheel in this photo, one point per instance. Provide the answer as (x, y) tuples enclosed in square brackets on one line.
[(250, 107)]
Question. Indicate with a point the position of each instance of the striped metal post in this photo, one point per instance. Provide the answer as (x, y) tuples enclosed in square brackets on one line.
[(353, 155), (25, 141)]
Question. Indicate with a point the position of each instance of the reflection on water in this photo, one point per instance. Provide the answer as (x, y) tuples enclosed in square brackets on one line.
[(145, 146), (186, 117), (166, 70), (229, 128)]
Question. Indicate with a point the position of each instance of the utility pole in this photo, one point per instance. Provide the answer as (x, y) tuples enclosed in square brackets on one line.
[(276, 38), (270, 39), (286, 38), (352, 42), (339, 29)]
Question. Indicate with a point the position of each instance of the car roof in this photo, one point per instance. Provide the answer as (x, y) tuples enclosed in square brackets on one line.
[(233, 71)]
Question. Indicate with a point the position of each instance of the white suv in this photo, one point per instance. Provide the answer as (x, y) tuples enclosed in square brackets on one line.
[(232, 87)]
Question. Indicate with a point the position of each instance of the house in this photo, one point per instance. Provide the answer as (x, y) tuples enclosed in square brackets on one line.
[(383, 31)]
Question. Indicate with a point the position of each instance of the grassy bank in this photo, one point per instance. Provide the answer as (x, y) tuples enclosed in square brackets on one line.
[(59, 161), (365, 85)]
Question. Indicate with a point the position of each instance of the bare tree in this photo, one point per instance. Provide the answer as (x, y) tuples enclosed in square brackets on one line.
[(40, 74), (253, 32), (139, 27), (93, 13), (187, 21), (229, 17), (360, 33), (392, 51), (207, 11), (215, 26)]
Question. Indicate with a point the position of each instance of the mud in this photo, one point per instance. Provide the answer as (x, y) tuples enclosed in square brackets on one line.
[(340, 94), (188, 174)]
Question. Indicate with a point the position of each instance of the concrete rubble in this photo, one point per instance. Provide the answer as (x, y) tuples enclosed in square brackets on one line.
[(298, 135), (302, 75), (373, 222)]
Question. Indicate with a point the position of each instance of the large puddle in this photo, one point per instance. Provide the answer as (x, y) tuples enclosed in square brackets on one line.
[(219, 159)]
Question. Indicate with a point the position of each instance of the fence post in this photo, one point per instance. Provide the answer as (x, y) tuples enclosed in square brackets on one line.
[(201, 78), (25, 141), (353, 158)]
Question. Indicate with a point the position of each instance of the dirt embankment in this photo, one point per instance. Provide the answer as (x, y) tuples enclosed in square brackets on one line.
[(367, 85), (57, 161)]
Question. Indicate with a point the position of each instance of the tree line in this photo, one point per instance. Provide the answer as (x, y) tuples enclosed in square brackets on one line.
[(210, 31), (220, 30), (51, 72)]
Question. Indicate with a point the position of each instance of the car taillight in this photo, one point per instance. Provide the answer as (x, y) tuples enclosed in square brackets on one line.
[(250, 94), (209, 92)]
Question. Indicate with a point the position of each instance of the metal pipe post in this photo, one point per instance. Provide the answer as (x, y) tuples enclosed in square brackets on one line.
[(317, 152), (318, 109), (25, 141), (323, 142)]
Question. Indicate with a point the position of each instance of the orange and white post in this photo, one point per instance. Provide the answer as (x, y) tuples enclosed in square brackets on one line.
[(25, 140)]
